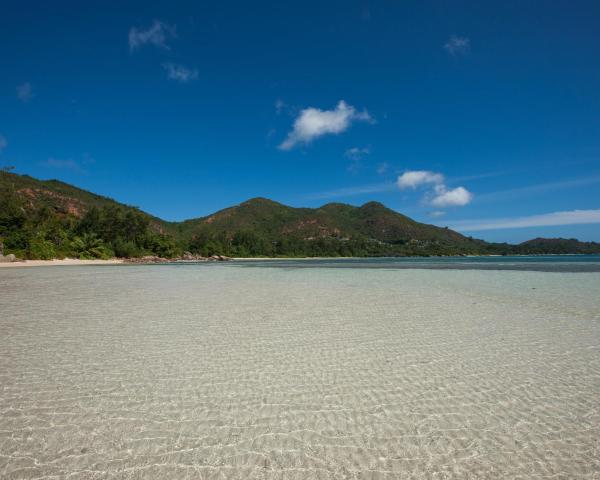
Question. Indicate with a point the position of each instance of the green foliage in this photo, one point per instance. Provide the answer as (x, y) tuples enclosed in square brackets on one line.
[(48, 219), (126, 249), (260, 227), (163, 246), (89, 246), (248, 243), (127, 232), (41, 248), (38, 221)]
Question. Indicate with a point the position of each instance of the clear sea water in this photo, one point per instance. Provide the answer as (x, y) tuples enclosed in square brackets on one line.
[(328, 369), (539, 263)]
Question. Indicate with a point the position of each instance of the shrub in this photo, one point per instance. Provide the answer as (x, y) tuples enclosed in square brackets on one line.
[(41, 249), (88, 246)]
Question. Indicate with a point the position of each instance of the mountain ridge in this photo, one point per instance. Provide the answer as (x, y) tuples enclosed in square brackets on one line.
[(50, 218)]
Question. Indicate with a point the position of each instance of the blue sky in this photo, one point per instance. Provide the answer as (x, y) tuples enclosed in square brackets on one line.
[(484, 116)]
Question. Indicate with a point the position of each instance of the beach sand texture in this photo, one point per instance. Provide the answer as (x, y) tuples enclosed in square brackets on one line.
[(225, 371), (58, 262)]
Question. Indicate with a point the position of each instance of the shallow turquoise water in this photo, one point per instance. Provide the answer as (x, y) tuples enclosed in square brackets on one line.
[(246, 370), (540, 263)]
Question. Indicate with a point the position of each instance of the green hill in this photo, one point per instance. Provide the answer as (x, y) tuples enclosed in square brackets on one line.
[(263, 227), (43, 219), (48, 218), (557, 246), (62, 197)]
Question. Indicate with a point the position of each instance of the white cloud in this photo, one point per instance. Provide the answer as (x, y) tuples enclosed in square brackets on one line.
[(313, 123), (3, 143), (25, 92), (457, 45), (157, 35), (456, 197), (440, 196), (437, 194), (414, 178), (180, 73), (572, 217)]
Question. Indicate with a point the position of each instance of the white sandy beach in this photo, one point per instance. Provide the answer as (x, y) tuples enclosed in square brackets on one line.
[(64, 261), (225, 371)]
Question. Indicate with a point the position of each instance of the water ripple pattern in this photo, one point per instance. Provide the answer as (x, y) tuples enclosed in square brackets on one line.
[(227, 372)]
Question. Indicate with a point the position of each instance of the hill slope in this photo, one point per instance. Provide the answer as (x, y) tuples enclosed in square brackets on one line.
[(557, 246), (63, 198), (333, 229), (46, 219), (49, 219)]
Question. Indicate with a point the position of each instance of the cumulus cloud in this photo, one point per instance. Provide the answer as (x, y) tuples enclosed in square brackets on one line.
[(414, 178), (3, 143), (313, 123), (456, 197), (571, 217), (180, 73), (457, 45), (25, 92), (156, 34), (439, 196)]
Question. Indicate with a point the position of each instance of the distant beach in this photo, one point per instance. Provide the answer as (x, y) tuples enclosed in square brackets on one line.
[(537, 263)]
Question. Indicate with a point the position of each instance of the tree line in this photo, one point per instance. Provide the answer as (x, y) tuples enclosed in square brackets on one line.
[(102, 232)]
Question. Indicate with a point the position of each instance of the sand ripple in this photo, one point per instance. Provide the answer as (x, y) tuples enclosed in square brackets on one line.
[(227, 372)]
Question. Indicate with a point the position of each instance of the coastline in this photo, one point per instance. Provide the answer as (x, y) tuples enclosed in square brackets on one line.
[(119, 261), (55, 262)]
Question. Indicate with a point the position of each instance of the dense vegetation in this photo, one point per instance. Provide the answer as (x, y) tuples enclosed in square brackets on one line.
[(556, 246), (45, 220), (261, 227), (51, 219)]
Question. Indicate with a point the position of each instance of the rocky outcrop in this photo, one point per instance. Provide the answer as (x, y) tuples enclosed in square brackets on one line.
[(8, 258), (147, 259), (186, 257), (190, 257), (220, 258)]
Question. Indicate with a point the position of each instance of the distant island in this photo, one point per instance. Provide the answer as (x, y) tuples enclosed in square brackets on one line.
[(48, 219)]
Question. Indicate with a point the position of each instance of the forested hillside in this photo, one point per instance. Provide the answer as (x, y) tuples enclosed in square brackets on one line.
[(51, 219)]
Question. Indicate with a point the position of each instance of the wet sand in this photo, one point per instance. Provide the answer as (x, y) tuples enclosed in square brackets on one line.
[(214, 371)]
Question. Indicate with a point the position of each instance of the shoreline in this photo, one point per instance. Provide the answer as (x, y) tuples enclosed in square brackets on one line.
[(120, 261), (56, 262)]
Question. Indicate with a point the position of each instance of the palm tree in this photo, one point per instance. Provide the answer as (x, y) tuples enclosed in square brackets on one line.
[(89, 246)]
